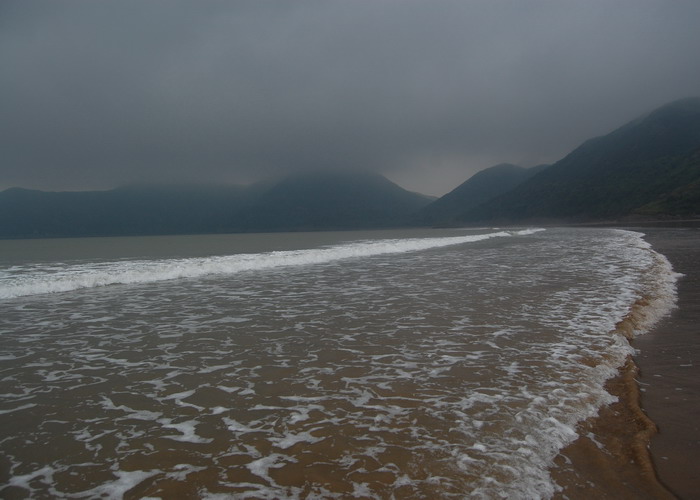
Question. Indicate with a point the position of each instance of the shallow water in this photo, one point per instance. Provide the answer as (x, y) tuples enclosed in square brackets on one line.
[(415, 364)]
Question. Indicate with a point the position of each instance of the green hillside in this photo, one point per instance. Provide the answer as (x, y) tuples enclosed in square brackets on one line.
[(481, 187), (635, 169)]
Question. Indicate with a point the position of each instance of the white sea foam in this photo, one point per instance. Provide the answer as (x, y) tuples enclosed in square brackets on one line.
[(474, 363), (19, 408), (63, 278), (125, 480), (237, 427), (291, 439), (188, 430), (261, 466), (24, 481), (660, 286)]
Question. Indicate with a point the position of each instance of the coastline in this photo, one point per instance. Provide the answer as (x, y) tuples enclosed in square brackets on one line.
[(647, 444), (669, 362)]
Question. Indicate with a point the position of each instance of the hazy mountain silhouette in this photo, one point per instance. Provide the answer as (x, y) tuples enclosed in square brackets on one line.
[(332, 200), (309, 201), (481, 187), (138, 209), (648, 166)]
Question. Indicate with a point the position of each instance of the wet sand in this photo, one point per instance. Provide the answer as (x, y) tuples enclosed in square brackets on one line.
[(652, 434), (669, 363)]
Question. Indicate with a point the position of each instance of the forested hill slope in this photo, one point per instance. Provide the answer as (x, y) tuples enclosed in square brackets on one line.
[(649, 165), (308, 201), (481, 187)]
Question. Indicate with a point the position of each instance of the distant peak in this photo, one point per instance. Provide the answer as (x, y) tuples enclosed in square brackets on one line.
[(692, 102), (333, 174), (506, 165), (681, 107), (501, 168), (175, 187)]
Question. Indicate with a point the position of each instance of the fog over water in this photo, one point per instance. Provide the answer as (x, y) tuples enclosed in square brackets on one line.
[(99, 94)]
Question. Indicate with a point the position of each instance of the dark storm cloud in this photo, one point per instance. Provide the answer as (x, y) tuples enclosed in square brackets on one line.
[(97, 94)]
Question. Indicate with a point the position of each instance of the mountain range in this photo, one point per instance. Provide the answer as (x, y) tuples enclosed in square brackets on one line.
[(649, 167), (480, 188), (301, 202)]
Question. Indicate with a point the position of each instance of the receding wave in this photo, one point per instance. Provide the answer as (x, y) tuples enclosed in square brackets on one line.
[(74, 277)]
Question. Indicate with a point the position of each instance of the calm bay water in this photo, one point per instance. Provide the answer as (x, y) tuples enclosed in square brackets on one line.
[(435, 364)]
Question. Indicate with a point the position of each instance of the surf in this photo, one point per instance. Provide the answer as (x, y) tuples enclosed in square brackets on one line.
[(37, 279)]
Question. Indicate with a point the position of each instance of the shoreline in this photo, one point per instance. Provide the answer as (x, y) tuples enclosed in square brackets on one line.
[(647, 444), (669, 361)]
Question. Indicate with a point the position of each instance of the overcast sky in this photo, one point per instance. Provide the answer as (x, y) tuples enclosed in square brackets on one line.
[(96, 94)]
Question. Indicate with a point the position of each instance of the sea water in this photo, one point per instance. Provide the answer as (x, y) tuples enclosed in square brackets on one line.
[(404, 364)]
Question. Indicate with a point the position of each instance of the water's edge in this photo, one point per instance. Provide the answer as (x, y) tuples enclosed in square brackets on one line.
[(669, 363), (611, 458)]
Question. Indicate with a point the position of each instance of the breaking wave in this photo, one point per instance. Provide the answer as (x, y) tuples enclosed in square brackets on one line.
[(36, 280)]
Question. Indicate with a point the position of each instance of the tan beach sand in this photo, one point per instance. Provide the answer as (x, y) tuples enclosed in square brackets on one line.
[(669, 362), (659, 402)]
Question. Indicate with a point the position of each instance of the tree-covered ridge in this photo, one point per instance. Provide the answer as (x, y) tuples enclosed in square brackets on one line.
[(310, 201), (611, 176), (481, 187)]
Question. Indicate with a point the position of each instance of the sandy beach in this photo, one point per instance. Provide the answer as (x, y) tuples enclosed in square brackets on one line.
[(652, 434), (669, 360)]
